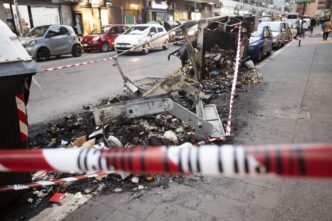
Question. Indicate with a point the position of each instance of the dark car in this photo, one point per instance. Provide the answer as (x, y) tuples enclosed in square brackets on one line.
[(192, 30), (102, 40), (260, 43)]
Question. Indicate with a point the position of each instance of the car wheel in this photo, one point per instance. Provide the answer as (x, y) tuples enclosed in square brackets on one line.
[(146, 49), (165, 46), (269, 52), (43, 54), (77, 51), (105, 47), (260, 56)]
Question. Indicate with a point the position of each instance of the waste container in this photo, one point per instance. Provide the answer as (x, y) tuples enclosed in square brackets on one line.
[(16, 70)]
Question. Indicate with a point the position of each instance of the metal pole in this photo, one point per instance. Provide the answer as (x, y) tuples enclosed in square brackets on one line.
[(19, 18)]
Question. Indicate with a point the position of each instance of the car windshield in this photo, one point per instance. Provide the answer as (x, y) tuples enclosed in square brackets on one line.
[(292, 16), (99, 32), (38, 31), (257, 33), (136, 30), (275, 26)]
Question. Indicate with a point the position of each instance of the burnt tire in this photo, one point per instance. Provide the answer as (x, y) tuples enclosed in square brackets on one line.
[(43, 54), (77, 51), (269, 52), (105, 47)]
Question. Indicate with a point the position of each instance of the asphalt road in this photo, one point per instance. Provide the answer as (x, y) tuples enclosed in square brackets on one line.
[(65, 91)]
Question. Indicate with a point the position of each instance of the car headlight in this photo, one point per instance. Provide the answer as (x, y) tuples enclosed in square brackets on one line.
[(191, 32)]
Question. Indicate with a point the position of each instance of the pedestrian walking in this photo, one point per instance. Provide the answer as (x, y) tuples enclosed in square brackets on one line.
[(327, 28), (313, 24), (299, 29)]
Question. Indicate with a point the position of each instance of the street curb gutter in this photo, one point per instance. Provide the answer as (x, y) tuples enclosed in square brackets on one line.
[(269, 59), (59, 211)]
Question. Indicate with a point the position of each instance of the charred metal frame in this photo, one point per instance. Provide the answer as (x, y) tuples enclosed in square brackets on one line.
[(206, 121)]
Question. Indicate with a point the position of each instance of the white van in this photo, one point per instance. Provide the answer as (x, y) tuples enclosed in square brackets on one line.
[(139, 34)]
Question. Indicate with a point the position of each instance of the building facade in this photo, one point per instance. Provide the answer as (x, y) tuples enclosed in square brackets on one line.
[(91, 15), (252, 7), (30, 13)]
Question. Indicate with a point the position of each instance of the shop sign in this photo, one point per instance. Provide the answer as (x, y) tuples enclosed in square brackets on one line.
[(96, 3), (304, 1), (161, 5)]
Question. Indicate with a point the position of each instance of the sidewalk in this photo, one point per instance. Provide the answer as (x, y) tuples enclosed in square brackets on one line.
[(293, 105)]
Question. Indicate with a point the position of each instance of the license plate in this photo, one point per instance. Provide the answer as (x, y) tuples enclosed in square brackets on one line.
[(85, 45)]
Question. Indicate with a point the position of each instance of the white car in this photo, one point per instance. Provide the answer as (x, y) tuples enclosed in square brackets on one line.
[(140, 34)]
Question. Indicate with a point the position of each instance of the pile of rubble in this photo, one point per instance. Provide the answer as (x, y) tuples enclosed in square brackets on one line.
[(79, 131)]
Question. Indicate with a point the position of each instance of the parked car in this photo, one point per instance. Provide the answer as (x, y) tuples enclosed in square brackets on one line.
[(171, 25), (260, 43), (292, 27), (102, 40), (139, 34), (290, 32), (51, 40), (279, 32), (192, 30)]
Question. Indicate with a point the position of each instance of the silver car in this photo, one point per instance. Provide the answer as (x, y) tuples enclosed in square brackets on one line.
[(279, 32), (51, 40)]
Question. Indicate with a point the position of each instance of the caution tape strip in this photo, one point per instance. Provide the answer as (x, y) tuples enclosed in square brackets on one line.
[(302, 160), (76, 65), (233, 90), (53, 182), (99, 60)]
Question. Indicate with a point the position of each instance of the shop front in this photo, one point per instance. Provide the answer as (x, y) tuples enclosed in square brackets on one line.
[(157, 11), (32, 13)]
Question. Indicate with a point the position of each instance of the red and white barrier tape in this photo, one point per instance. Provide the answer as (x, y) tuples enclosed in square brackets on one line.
[(96, 61), (236, 71), (52, 182), (310, 160), (76, 65)]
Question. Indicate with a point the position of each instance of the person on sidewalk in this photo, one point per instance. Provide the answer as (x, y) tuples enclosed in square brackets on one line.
[(327, 27), (313, 24)]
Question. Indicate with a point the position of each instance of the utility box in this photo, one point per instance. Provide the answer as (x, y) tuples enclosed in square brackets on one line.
[(16, 70)]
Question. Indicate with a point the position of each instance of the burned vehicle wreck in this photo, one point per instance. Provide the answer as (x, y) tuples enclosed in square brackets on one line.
[(211, 54)]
